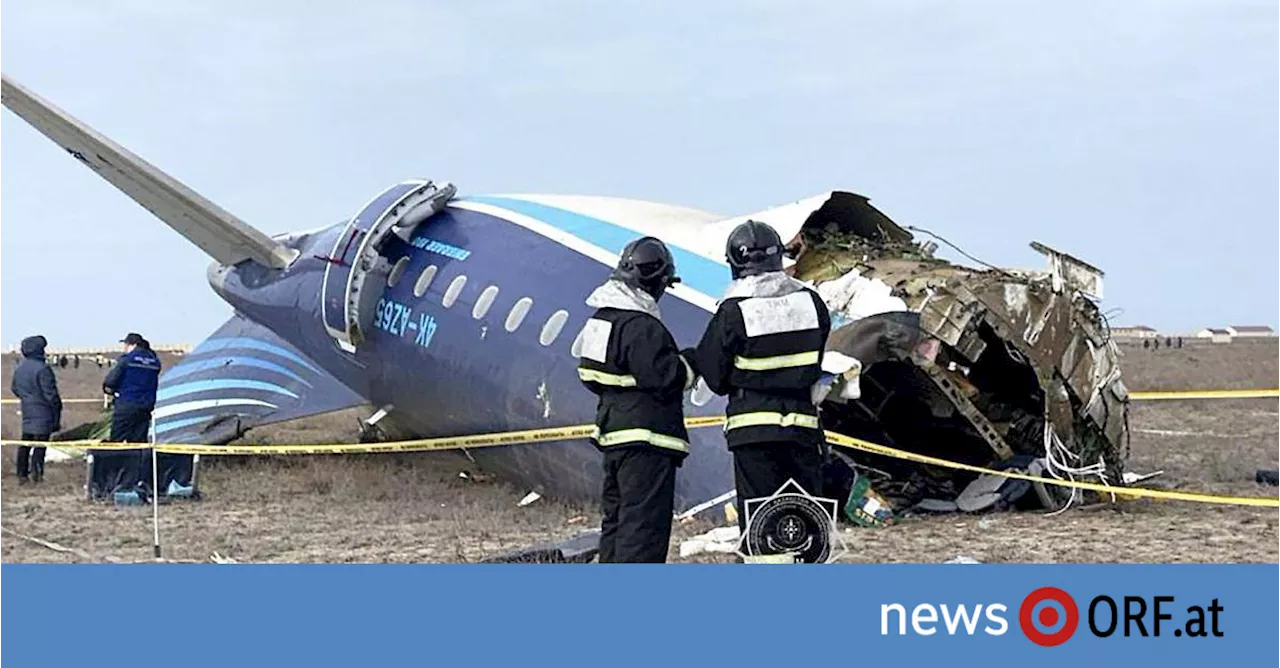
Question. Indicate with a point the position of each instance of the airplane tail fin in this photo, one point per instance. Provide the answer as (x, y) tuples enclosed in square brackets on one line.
[(218, 233), (243, 376)]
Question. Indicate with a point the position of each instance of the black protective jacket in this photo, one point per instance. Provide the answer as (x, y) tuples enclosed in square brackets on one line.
[(763, 349), (629, 359)]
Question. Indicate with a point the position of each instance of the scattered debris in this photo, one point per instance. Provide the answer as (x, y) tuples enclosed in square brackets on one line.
[(577, 519), (1267, 477), (962, 560), (476, 477), (529, 498), (936, 506), (690, 514), (1131, 478), (854, 296), (721, 539), (981, 494), (579, 549), (986, 523), (865, 507), (219, 559)]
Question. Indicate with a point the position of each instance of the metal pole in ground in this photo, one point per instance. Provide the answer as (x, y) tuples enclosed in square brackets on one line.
[(155, 494)]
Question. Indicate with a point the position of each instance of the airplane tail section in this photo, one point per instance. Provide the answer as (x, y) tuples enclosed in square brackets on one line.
[(218, 233), (242, 376)]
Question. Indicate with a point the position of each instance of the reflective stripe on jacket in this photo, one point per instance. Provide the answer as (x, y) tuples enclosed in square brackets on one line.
[(763, 349)]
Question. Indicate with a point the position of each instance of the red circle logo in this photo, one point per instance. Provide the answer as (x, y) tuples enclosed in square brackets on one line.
[(1041, 620)]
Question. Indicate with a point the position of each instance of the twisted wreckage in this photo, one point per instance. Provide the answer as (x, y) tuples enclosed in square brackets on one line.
[(1000, 368), (987, 366)]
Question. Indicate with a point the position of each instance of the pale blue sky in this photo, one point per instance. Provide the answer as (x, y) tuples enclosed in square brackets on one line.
[(1140, 136)]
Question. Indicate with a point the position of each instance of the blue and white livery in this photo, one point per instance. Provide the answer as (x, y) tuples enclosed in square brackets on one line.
[(453, 314)]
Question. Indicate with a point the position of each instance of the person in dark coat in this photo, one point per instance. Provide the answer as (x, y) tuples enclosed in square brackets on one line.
[(763, 349), (631, 362), (36, 387)]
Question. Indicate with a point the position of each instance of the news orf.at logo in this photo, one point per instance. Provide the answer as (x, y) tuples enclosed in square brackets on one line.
[(1048, 616)]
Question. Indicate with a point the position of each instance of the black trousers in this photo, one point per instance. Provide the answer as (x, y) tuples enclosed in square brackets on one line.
[(31, 458), (122, 470), (130, 423), (761, 469), (639, 499)]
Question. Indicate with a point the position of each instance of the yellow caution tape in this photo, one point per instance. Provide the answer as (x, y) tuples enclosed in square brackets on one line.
[(1205, 394), (475, 441), (1136, 492)]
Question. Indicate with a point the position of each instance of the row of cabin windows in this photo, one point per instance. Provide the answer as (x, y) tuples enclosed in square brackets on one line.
[(550, 330)]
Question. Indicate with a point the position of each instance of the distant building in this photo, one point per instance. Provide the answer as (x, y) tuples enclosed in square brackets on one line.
[(1216, 334), (1250, 331), (1134, 332)]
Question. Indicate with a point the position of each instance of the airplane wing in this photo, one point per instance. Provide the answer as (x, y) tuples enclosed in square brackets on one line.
[(242, 376), (223, 236)]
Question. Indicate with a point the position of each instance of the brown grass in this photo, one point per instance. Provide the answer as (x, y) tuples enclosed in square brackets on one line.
[(416, 508)]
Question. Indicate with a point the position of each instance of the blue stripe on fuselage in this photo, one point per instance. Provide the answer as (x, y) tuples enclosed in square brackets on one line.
[(229, 343), (195, 386), (695, 271), (187, 368), (162, 426)]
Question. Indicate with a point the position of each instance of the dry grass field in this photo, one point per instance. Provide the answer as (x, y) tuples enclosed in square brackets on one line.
[(417, 508)]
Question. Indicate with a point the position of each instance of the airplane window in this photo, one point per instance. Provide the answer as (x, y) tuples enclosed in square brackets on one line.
[(424, 281), (397, 271), (484, 302), (517, 314), (455, 289), (552, 329), (576, 348)]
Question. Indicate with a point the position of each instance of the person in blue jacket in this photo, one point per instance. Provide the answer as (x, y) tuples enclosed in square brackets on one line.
[(132, 382), (37, 389), (131, 386)]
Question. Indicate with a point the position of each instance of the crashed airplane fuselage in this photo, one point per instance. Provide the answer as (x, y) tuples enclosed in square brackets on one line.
[(459, 315)]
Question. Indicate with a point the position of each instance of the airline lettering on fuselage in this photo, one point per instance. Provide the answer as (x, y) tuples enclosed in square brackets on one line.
[(441, 248), (396, 319)]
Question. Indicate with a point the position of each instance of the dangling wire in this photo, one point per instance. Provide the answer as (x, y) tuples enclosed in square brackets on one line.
[(959, 250), (1056, 456)]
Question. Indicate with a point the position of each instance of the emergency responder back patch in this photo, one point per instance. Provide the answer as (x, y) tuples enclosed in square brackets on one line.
[(775, 315), (595, 340)]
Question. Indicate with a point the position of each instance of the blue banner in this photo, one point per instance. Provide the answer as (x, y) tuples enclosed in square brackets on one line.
[(841, 615)]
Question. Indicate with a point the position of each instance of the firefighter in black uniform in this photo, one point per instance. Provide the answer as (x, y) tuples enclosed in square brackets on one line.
[(631, 361), (763, 348)]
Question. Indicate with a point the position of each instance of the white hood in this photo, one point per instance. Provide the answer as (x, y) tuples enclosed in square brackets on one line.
[(619, 295), (771, 284)]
